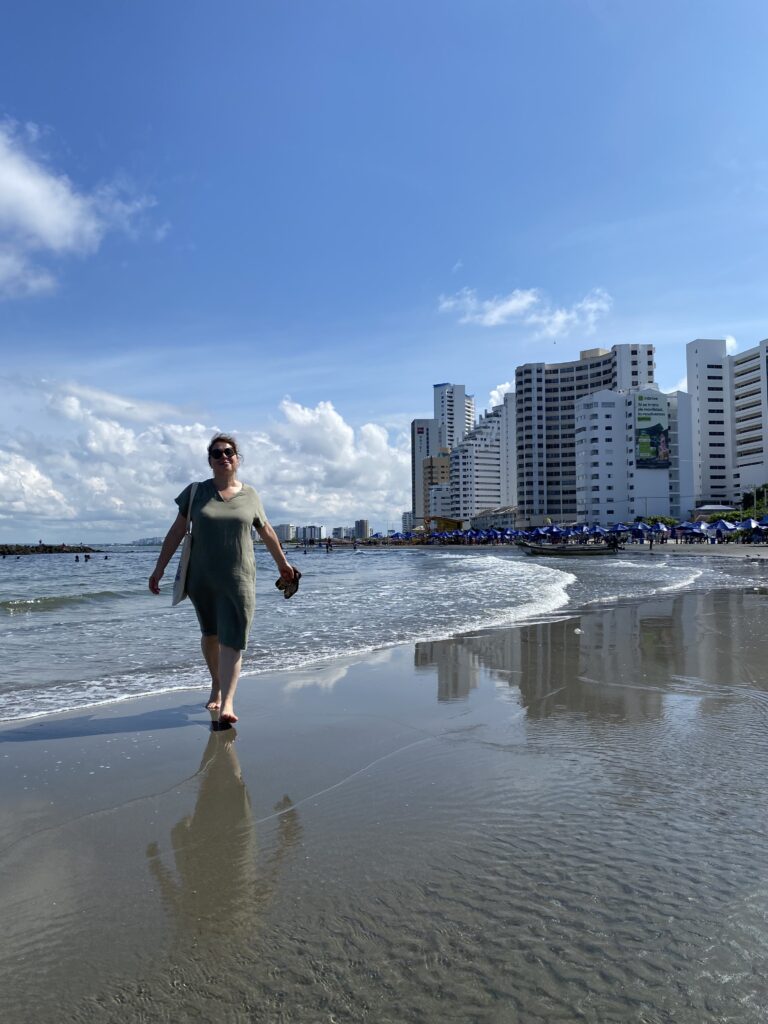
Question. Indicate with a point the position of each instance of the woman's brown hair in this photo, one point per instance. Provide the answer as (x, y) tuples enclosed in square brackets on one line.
[(226, 439)]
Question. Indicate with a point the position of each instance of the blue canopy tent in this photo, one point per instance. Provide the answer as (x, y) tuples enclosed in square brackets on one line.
[(747, 524), (722, 524)]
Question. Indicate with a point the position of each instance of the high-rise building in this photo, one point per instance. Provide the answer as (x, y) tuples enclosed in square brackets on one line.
[(305, 534), (454, 413), (286, 532), (407, 522), (424, 436), (436, 471), (710, 385), (750, 415), (545, 407), (729, 395), (481, 474), (634, 455), (362, 530)]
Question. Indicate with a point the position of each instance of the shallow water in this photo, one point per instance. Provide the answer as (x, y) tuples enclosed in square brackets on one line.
[(74, 635), (560, 822)]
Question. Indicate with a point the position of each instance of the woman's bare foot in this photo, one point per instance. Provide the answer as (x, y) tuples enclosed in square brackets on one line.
[(227, 716), (214, 700)]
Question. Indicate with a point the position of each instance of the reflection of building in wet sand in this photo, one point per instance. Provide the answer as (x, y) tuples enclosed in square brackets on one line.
[(458, 666), (611, 663)]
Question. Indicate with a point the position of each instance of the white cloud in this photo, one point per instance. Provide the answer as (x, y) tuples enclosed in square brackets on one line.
[(42, 214), (529, 307), (489, 312), (100, 465), (682, 385), (496, 396), (731, 345), (25, 490)]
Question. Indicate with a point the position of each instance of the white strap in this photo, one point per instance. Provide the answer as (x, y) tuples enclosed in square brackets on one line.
[(189, 508)]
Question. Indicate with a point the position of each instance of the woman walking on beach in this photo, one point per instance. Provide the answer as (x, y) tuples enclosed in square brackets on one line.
[(222, 569)]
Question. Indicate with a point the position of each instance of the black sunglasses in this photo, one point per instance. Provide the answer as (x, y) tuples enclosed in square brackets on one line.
[(219, 453)]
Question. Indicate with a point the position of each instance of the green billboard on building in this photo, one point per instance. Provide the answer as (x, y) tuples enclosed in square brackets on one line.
[(651, 431)]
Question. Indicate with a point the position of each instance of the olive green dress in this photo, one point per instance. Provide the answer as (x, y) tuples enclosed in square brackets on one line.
[(221, 579)]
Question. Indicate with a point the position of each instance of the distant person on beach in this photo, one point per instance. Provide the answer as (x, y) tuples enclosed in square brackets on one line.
[(222, 569)]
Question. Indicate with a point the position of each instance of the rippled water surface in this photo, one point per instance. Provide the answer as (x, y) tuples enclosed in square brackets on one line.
[(564, 821), (78, 634)]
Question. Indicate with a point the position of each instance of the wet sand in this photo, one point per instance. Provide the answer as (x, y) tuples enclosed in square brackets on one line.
[(562, 821)]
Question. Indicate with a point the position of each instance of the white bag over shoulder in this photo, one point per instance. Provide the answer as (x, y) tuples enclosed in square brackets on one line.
[(180, 583)]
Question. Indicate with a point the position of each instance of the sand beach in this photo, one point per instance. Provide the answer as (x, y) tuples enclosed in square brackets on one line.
[(560, 821)]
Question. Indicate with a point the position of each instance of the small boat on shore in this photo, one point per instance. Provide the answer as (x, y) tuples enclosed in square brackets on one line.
[(566, 550)]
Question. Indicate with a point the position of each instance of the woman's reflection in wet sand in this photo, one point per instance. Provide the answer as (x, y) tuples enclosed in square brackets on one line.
[(221, 882)]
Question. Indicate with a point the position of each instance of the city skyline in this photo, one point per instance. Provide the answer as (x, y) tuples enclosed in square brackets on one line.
[(299, 218)]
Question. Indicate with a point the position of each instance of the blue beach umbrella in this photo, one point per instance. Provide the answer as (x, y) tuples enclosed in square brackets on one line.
[(597, 531), (660, 528), (643, 527), (747, 524), (620, 528), (723, 524)]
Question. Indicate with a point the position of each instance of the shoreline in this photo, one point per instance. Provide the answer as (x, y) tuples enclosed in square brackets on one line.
[(323, 664), (372, 807)]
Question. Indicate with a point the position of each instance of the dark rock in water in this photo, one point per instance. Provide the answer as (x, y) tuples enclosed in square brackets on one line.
[(46, 549)]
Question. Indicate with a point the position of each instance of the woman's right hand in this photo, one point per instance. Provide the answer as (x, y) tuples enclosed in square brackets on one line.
[(154, 582)]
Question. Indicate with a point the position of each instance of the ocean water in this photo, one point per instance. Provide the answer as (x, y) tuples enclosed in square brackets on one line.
[(74, 635)]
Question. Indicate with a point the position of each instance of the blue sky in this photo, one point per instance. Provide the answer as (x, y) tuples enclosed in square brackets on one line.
[(291, 219)]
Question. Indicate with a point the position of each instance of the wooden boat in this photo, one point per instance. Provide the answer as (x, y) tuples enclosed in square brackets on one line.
[(566, 550)]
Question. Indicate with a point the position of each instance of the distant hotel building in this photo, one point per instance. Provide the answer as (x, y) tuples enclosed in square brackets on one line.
[(305, 534), (634, 455), (482, 472), (546, 397), (362, 530), (286, 532), (729, 395), (454, 415)]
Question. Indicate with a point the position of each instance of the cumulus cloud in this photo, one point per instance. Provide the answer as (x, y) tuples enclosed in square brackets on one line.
[(44, 215), (529, 307), (496, 396), (731, 345), (105, 466), (23, 487)]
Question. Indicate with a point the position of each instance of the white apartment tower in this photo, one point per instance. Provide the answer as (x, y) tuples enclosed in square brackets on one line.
[(482, 473), (454, 417), (750, 415), (454, 413), (710, 385), (634, 455), (730, 415), (546, 397)]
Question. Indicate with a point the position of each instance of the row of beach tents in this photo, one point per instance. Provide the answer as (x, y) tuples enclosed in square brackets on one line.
[(584, 532)]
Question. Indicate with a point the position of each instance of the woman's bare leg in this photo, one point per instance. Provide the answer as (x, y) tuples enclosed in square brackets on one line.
[(230, 661), (210, 646)]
